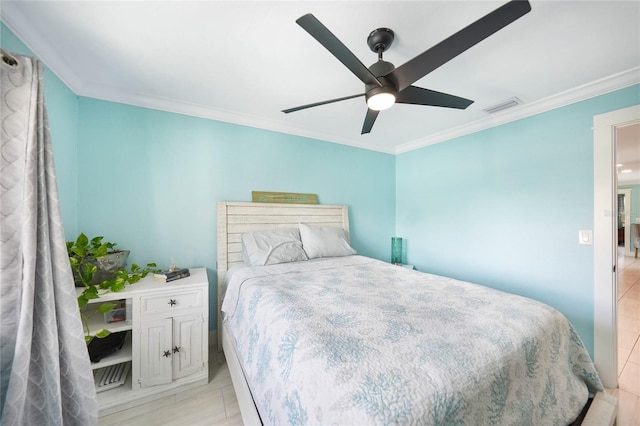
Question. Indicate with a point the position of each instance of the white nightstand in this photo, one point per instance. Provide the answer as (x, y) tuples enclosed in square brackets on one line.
[(166, 347)]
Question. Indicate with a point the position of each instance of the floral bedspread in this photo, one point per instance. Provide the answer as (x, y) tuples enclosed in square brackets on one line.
[(354, 340)]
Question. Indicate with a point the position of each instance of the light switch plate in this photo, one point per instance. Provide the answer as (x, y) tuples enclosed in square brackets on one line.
[(585, 236)]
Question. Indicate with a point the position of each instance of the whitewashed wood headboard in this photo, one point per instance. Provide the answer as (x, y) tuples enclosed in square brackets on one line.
[(236, 218)]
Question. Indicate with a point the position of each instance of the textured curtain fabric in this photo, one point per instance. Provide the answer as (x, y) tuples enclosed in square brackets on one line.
[(46, 374)]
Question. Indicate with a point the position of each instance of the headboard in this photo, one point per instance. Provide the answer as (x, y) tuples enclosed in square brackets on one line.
[(236, 218)]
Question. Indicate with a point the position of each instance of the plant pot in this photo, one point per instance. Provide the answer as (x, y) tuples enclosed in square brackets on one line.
[(107, 265)]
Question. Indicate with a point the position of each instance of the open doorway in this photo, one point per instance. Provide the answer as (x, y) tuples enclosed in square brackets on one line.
[(623, 219), (628, 175), (627, 146), (605, 240)]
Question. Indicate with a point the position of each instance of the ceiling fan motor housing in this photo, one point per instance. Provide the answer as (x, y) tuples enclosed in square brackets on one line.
[(381, 69)]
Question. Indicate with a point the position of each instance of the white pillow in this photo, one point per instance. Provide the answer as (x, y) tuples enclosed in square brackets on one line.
[(271, 247), (324, 242)]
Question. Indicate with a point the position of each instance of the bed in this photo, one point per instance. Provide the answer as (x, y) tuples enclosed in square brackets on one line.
[(353, 340)]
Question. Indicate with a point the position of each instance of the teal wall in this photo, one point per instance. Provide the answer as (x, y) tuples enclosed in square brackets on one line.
[(150, 180), (62, 107), (503, 206)]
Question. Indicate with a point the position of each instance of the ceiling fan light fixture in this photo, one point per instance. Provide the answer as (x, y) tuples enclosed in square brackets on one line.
[(381, 101)]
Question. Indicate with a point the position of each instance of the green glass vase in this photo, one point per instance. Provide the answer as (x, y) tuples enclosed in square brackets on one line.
[(396, 250)]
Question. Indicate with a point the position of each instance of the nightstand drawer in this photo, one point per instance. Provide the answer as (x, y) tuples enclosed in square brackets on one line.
[(171, 302)]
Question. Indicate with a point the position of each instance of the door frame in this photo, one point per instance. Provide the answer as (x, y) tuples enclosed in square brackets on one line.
[(605, 286)]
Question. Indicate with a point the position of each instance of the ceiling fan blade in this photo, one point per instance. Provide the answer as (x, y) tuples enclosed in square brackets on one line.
[(419, 96), (315, 104), (369, 119), (432, 58), (326, 38)]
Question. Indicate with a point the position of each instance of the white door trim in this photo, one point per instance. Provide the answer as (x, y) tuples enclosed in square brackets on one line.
[(604, 249)]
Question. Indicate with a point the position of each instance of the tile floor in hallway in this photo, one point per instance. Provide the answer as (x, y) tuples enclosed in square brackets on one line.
[(628, 392), (216, 404)]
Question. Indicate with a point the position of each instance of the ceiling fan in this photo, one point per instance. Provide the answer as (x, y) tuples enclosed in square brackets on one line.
[(385, 84)]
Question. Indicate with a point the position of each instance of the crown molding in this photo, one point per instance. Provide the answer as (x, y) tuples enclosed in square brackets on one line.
[(577, 94), (580, 93), (200, 111)]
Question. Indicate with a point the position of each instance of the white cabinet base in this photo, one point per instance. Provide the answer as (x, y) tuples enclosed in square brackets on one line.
[(168, 343)]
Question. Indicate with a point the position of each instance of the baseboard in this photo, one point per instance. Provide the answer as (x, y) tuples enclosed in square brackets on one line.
[(602, 412)]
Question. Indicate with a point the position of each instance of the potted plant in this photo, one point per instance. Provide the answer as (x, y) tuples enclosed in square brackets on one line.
[(99, 267)]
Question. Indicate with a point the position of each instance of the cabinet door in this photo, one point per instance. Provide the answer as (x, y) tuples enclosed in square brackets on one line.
[(156, 352), (187, 345)]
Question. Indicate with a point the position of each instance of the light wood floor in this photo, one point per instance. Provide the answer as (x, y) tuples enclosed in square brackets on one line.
[(215, 404), (212, 404)]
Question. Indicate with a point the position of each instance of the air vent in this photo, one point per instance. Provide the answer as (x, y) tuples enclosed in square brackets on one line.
[(509, 103)]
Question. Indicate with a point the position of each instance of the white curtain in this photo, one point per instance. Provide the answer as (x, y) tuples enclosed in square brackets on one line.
[(46, 374)]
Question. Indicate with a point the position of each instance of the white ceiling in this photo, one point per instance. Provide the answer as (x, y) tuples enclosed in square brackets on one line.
[(243, 62)]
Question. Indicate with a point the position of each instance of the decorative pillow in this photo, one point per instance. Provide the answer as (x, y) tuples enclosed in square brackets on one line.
[(271, 247), (324, 242)]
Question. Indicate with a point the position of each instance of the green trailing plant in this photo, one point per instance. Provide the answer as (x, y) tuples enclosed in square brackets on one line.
[(83, 257)]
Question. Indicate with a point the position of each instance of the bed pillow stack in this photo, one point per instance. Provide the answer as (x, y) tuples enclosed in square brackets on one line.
[(294, 244)]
